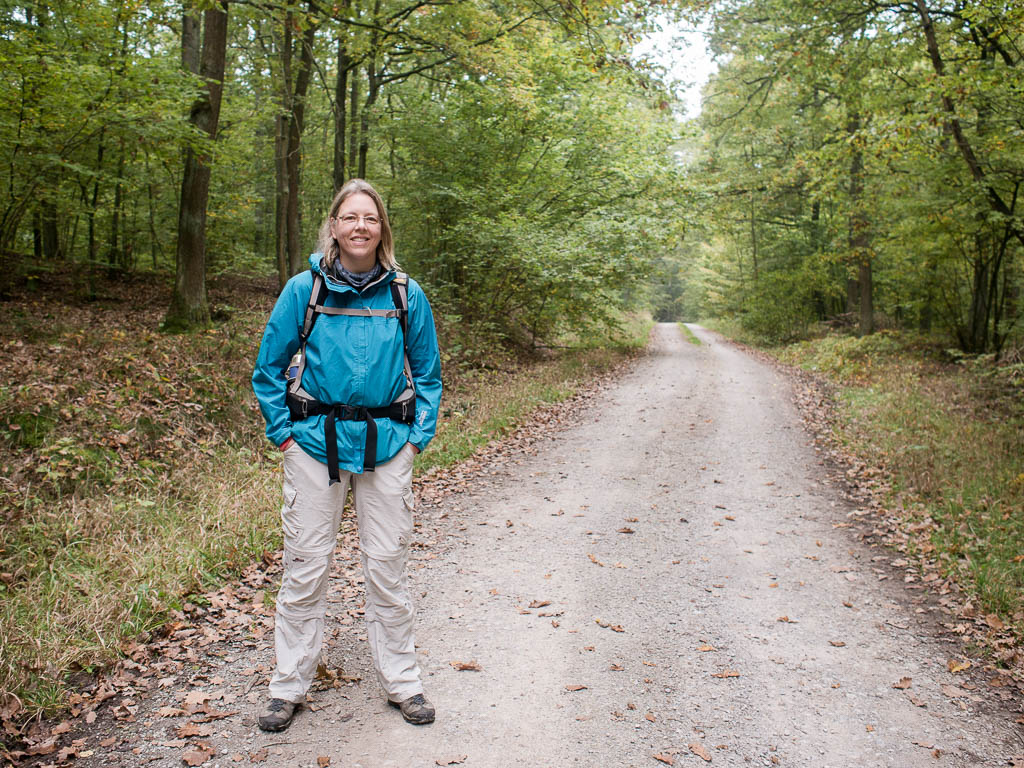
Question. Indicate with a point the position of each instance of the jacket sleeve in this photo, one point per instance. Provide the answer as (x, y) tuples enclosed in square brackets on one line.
[(425, 362), (280, 341)]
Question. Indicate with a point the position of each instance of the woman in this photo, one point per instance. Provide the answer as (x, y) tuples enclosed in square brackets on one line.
[(348, 416)]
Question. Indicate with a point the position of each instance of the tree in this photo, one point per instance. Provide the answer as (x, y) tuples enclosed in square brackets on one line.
[(189, 307)]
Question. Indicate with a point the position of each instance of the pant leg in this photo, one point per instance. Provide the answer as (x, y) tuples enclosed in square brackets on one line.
[(310, 517), (384, 507)]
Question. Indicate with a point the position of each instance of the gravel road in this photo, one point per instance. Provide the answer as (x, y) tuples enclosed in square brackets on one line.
[(669, 578)]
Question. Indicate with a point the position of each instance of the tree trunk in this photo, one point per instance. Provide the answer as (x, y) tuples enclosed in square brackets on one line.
[(189, 307), (860, 238), (340, 112), (353, 124), (289, 142)]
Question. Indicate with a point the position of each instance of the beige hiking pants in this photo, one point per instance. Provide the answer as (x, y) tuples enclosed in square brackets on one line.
[(311, 515)]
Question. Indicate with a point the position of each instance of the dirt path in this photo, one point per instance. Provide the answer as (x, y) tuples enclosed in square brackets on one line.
[(670, 576)]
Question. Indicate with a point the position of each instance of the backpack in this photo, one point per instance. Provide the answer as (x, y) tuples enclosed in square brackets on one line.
[(303, 405)]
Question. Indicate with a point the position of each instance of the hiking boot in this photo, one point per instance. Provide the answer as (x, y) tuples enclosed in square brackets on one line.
[(416, 709), (277, 715)]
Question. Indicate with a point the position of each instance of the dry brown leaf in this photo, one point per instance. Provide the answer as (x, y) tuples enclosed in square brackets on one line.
[(62, 727), (952, 691), (663, 758), (189, 730), (784, 620), (196, 697), (198, 756), (700, 751), (539, 603), (705, 648), (916, 701), (925, 744), (323, 761), (594, 560), (616, 668), (869, 728), (259, 755), (955, 666), (575, 687), (466, 666), (726, 673), (454, 760), (994, 622), (903, 683), (650, 717), (626, 529), (837, 643), (43, 748), (171, 712), (109, 742)]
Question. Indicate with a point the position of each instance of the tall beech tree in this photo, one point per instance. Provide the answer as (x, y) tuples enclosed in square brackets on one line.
[(189, 306)]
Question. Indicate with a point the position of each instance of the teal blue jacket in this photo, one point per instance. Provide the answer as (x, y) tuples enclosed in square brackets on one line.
[(350, 360)]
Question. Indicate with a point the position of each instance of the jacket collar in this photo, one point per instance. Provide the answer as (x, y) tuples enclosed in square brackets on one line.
[(334, 285)]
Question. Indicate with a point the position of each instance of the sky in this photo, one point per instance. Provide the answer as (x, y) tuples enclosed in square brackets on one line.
[(683, 53)]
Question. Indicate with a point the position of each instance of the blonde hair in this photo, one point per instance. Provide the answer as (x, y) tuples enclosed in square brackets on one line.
[(328, 246)]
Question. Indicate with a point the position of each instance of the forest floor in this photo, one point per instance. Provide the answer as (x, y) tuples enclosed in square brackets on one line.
[(668, 571)]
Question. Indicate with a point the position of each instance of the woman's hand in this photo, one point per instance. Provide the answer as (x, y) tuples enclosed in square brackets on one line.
[(415, 450)]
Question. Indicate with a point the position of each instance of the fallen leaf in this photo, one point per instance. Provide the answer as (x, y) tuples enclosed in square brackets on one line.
[(994, 622), (925, 744), (539, 603), (663, 758), (650, 717), (195, 698), (109, 742), (836, 643), (456, 760), (189, 730), (198, 756), (958, 666), (60, 728), (705, 648), (903, 683), (575, 687), (44, 748), (869, 728), (258, 756), (916, 701), (626, 529), (726, 673), (594, 560), (952, 691), (466, 666), (700, 751), (323, 761), (785, 620), (616, 668), (171, 712)]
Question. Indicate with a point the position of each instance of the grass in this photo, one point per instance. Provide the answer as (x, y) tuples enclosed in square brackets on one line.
[(952, 438), (688, 334), (134, 471)]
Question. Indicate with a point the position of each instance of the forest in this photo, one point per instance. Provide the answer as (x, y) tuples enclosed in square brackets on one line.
[(855, 170), (857, 162)]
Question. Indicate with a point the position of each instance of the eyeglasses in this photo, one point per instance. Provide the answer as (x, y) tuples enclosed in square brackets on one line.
[(350, 220)]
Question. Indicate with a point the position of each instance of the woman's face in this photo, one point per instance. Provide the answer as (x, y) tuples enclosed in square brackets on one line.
[(356, 227)]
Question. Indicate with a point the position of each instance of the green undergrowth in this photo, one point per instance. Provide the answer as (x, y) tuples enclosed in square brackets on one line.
[(950, 431), (134, 471), (688, 334)]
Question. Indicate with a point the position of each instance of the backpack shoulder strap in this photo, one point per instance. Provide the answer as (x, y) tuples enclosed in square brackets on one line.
[(317, 296), (400, 296)]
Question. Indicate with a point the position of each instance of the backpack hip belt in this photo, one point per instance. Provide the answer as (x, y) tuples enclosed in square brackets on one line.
[(303, 405)]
